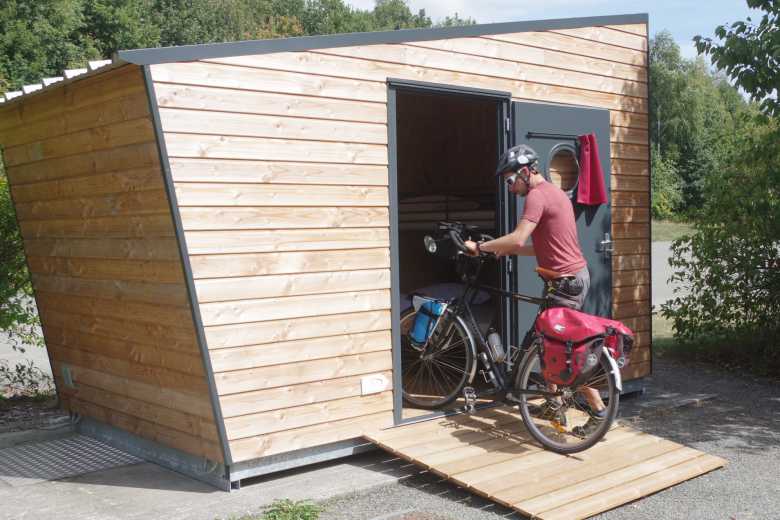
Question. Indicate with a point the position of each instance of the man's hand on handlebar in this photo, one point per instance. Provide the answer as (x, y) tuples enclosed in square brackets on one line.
[(471, 248)]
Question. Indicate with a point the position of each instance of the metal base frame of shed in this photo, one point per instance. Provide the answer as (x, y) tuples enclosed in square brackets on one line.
[(226, 478)]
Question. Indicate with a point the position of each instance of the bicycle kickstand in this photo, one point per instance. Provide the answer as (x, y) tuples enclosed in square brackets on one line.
[(470, 396)]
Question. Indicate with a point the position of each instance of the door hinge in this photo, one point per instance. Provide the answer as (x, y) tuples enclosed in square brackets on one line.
[(507, 124)]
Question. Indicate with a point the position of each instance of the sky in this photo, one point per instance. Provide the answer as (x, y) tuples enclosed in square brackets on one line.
[(683, 18)]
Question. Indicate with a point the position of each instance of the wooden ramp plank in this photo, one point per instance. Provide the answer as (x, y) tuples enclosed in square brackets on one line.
[(492, 455)]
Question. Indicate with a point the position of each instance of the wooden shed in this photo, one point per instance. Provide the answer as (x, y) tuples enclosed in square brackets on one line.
[(222, 237)]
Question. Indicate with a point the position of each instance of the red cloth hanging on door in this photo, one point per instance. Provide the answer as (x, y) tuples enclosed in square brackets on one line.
[(591, 190)]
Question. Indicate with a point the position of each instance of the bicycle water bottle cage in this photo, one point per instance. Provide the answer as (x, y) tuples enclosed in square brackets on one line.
[(428, 312)]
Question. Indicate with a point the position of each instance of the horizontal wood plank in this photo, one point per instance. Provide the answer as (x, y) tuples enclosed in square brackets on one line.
[(352, 61), (150, 412), (93, 302), (631, 309), (269, 422), (152, 249), (631, 278), (298, 438), (137, 155), (268, 103), (227, 336), (262, 148), (227, 76), (279, 127), (172, 399), (630, 262), (628, 214), (483, 46), (630, 167), (218, 266), (130, 203), (634, 28), (108, 269), (478, 65), (630, 183), (295, 395), (163, 336), (304, 372), (631, 230), (276, 172), (140, 179), (267, 309), (284, 217), (608, 36), (630, 293), (573, 45), (272, 286), (73, 97), (170, 295), (129, 351), (255, 356), (160, 377), (219, 194), (262, 241), (134, 105), (98, 138), (133, 226)]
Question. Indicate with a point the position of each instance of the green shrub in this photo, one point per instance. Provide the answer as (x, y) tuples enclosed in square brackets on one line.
[(730, 265)]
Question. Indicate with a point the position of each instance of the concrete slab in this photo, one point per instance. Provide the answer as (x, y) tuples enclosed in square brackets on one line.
[(145, 491)]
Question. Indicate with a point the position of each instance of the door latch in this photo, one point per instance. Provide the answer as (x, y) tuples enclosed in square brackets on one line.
[(606, 246)]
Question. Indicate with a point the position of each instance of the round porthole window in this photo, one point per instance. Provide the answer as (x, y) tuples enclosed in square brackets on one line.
[(563, 169)]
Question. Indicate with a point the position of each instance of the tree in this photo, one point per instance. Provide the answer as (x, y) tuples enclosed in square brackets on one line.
[(750, 54), (395, 14), (18, 316), (39, 39), (454, 21)]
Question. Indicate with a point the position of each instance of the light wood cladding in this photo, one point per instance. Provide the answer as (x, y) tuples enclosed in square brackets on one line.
[(84, 172), (280, 164)]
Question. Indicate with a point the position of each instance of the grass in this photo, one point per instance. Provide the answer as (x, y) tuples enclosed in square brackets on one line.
[(666, 231), (736, 356), (286, 510)]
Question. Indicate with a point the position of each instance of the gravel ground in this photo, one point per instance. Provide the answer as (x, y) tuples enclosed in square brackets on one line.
[(731, 416)]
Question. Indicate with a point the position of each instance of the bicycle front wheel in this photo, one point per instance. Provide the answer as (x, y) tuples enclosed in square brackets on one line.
[(434, 374), (565, 424)]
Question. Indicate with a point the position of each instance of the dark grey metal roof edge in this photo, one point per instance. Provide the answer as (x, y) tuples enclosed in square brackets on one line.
[(305, 43)]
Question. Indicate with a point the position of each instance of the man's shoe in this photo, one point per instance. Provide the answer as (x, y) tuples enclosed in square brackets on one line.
[(587, 429), (548, 411)]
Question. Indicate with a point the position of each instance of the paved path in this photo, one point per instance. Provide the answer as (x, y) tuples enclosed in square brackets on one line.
[(741, 424)]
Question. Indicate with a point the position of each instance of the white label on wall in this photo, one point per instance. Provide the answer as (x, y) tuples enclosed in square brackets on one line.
[(373, 384)]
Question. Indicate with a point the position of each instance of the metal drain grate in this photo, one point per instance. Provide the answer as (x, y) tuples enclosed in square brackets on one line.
[(52, 460)]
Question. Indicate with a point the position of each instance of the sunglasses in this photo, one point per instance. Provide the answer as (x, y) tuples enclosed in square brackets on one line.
[(511, 179)]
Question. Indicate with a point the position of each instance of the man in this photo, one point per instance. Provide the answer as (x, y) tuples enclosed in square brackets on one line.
[(548, 218)]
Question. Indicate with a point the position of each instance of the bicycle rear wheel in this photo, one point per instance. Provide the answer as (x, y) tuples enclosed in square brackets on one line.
[(434, 375), (563, 429)]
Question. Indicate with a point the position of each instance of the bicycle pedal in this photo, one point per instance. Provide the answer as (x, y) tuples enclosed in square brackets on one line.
[(470, 396)]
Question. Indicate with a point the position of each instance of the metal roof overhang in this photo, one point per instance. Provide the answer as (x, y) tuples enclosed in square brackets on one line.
[(305, 43)]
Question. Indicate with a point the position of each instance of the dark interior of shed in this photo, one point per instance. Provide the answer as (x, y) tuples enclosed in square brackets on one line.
[(447, 149)]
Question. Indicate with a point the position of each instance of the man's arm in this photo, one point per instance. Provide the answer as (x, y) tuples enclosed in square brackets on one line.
[(512, 243)]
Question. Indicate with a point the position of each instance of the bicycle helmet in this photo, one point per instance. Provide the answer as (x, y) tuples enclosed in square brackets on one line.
[(515, 158)]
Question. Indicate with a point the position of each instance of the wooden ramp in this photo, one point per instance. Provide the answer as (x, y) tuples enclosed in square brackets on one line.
[(491, 454)]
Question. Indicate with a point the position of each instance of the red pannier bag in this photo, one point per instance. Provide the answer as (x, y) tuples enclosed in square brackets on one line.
[(572, 342)]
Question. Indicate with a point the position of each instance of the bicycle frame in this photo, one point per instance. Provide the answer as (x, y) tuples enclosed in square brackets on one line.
[(505, 371)]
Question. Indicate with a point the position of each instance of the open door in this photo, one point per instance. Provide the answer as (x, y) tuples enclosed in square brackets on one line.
[(552, 131)]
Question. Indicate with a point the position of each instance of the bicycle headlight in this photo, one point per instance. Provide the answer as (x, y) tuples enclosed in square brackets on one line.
[(430, 244)]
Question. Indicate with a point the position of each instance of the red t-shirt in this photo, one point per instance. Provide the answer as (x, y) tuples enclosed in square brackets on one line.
[(555, 236)]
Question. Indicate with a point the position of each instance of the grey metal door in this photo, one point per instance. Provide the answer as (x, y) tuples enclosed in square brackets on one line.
[(553, 129)]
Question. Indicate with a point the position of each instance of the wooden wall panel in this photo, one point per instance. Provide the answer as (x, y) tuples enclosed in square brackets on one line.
[(280, 168), (85, 176)]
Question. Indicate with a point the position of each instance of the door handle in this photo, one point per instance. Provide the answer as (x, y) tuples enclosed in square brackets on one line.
[(606, 246)]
